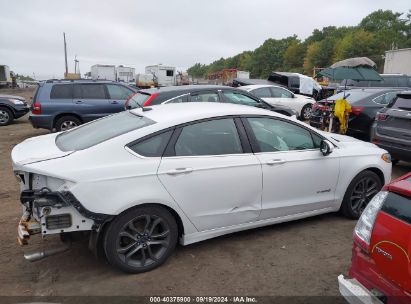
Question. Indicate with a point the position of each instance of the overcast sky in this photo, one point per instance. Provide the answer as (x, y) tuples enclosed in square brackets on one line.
[(173, 32)]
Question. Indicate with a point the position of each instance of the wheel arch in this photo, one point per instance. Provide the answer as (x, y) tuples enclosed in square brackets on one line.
[(2, 105)]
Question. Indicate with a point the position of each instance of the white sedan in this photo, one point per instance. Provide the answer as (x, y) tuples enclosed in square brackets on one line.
[(276, 95), (139, 181)]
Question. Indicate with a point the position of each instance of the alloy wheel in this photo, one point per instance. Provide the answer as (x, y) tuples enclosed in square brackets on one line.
[(68, 124), (363, 192), (143, 240), (307, 113), (4, 117)]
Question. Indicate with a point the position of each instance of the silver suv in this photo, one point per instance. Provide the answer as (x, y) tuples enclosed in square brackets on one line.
[(392, 127)]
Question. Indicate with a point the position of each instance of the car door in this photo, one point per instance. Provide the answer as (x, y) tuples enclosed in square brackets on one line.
[(264, 93), (297, 178), (91, 101), (117, 96), (212, 175), (283, 97)]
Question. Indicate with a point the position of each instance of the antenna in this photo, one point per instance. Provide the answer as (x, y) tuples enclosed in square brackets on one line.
[(65, 52)]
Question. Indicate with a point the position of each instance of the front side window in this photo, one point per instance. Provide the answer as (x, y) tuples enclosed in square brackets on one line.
[(262, 92), (204, 97), (214, 137), (153, 146), (95, 132), (274, 135), (238, 98), (61, 91), (281, 93), (89, 91), (118, 92)]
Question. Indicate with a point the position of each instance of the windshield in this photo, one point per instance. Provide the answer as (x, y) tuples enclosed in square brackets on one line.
[(100, 130), (138, 100)]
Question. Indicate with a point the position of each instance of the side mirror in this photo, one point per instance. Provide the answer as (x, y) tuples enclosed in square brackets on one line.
[(326, 147)]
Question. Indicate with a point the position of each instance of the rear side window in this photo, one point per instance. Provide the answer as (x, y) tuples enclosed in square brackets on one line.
[(204, 97), (89, 91), (215, 137), (153, 146), (385, 98), (262, 92), (95, 132), (61, 91), (138, 100), (398, 206), (118, 92), (402, 103)]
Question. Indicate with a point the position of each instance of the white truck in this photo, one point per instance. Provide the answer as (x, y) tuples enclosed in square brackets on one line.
[(5, 78), (163, 75), (103, 72), (398, 61), (126, 74)]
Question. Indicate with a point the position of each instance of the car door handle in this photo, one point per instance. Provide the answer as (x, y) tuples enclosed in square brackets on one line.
[(179, 171), (79, 101), (114, 102), (273, 162)]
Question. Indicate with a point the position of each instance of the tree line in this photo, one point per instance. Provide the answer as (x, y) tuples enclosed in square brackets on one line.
[(376, 33)]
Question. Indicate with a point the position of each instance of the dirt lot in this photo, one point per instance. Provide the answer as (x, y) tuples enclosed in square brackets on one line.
[(298, 258)]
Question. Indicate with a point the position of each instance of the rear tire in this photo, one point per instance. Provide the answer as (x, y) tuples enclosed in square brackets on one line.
[(359, 193), (141, 239), (67, 122), (306, 112), (6, 117)]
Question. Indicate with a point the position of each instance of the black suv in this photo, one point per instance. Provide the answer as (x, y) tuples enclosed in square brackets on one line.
[(64, 104), (201, 93), (12, 107)]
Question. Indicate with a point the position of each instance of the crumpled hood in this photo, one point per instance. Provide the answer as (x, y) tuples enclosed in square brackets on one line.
[(36, 149)]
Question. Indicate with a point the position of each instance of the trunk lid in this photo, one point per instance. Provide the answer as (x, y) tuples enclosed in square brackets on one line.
[(390, 246), (36, 149)]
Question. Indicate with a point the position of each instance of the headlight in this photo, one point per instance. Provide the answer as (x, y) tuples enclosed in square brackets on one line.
[(386, 157), (16, 101)]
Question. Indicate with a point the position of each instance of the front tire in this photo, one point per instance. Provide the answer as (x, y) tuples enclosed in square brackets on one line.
[(141, 239), (306, 112), (6, 117), (359, 193)]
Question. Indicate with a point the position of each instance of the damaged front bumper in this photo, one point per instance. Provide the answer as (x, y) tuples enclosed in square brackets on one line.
[(54, 212)]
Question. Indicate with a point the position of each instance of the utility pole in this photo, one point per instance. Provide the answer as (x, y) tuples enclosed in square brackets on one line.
[(75, 64), (65, 52)]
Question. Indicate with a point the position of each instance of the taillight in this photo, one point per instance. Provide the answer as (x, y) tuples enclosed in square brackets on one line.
[(365, 225), (36, 108), (150, 99), (381, 117), (357, 110)]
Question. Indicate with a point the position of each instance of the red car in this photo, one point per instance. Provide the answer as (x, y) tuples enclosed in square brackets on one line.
[(381, 269)]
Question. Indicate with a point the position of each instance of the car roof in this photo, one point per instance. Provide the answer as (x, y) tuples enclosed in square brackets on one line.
[(185, 88), (401, 185), (174, 114), (258, 86)]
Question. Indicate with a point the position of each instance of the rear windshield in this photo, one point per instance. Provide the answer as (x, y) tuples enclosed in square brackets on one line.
[(401, 103), (351, 96), (138, 100), (101, 130), (398, 206)]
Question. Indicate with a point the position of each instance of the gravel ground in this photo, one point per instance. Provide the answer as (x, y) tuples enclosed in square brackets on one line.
[(300, 258)]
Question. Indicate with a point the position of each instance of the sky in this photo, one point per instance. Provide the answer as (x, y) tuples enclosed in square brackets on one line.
[(171, 32)]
